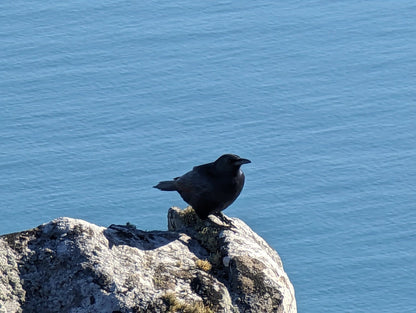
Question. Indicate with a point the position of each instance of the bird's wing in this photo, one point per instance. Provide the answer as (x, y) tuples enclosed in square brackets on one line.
[(193, 185), (205, 169), (192, 181)]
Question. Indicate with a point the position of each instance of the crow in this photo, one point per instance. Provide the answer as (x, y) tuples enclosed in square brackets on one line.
[(210, 188)]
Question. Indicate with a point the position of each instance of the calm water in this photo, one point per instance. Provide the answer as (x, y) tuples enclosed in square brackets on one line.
[(101, 100)]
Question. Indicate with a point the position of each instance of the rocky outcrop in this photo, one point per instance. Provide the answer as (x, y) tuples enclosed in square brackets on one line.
[(69, 265)]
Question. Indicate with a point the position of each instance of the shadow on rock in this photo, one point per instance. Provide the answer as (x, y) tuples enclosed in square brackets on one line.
[(143, 240), (150, 240)]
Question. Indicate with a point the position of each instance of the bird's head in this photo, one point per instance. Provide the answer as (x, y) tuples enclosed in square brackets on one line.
[(230, 162)]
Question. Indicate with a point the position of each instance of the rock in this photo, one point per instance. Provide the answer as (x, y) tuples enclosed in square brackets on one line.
[(69, 265), (249, 267)]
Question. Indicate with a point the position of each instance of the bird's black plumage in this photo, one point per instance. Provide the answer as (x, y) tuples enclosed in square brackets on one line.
[(212, 187)]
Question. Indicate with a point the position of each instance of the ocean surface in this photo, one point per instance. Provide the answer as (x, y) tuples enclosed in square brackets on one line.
[(100, 100)]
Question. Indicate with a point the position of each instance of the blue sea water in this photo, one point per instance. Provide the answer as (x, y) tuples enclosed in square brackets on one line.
[(101, 100)]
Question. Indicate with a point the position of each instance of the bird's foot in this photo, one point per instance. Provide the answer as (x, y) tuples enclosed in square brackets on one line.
[(225, 222)]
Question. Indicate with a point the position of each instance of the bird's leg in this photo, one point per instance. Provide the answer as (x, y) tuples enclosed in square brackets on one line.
[(223, 218)]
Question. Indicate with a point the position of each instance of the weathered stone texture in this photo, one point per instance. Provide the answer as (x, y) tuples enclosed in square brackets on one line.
[(69, 265)]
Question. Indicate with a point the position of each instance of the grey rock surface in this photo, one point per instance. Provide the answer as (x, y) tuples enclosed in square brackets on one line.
[(69, 265)]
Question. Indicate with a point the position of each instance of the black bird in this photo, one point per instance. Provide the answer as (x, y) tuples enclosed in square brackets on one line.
[(212, 187)]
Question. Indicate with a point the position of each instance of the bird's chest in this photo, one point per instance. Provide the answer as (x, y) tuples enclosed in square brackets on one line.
[(230, 186)]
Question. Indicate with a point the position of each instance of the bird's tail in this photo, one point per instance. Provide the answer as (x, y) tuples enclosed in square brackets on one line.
[(168, 185)]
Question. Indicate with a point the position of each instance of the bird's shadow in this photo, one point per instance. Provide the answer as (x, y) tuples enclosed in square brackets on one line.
[(149, 240)]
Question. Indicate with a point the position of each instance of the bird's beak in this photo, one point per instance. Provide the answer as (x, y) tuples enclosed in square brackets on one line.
[(243, 161)]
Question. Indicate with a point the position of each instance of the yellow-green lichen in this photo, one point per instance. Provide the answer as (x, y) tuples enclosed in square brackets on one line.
[(203, 265), (206, 232), (175, 305), (189, 217)]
